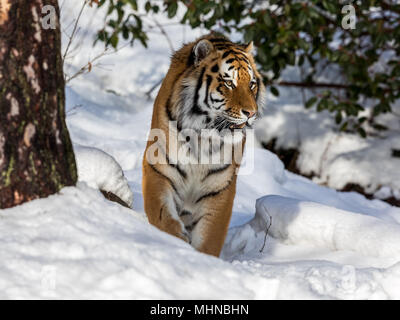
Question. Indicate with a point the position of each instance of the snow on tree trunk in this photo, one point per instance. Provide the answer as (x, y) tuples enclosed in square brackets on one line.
[(36, 155)]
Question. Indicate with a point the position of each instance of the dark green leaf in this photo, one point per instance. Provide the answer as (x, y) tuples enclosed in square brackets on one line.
[(310, 102), (275, 50), (338, 117), (362, 132), (172, 9), (274, 91)]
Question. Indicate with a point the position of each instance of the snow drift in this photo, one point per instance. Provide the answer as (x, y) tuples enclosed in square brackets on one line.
[(310, 223), (321, 244), (101, 171)]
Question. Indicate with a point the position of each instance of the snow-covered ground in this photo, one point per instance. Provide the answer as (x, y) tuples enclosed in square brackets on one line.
[(289, 237), (334, 158)]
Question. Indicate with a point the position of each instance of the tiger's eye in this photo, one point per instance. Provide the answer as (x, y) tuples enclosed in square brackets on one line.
[(229, 83)]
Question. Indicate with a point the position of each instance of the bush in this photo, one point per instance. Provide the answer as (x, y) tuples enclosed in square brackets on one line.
[(351, 39)]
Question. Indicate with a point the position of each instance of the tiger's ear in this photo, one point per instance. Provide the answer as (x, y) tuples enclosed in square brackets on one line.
[(201, 50), (249, 48)]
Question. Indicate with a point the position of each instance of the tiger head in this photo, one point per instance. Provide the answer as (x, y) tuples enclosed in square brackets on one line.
[(221, 88)]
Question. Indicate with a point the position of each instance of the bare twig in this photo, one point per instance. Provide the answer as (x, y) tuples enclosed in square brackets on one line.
[(74, 108), (171, 46), (91, 64), (71, 37), (324, 156), (148, 93), (62, 5), (266, 232), (312, 85), (88, 67)]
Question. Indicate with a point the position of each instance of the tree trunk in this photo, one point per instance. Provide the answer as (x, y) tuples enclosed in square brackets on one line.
[(36, 155)]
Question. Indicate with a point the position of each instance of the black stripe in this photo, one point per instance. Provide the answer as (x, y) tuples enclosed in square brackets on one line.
[(215, 100), (168, 109), (185, 213), (194, 223), (191, 59), (240, 48), (226, 53), (176, 166), (238, 54), (215, 68), (214, 193), (222, 46), (179, 125), (209, 80), (196, 109), (230, 60), (211, 148), (219, 90), (215, 171), (168, 179), (244, 59), (219, 40)]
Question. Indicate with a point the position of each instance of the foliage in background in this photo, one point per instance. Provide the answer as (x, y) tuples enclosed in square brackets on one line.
[(307, 34)]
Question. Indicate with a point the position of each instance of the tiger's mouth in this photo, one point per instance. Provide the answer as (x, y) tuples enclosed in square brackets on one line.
[(222, 123), (237, 125)]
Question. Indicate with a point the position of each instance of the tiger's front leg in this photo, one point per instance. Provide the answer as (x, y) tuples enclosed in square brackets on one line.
[(159, 204), (209, 228)]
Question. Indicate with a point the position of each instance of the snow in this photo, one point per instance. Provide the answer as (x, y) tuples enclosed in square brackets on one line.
[(320, 243), (334, 158), (101, 171), (304, 222), (97, 249)]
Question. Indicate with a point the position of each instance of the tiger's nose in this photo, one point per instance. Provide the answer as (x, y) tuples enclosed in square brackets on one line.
[(248, 114)]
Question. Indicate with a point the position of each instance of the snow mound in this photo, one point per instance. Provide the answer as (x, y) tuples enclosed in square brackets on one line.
[(304, 222), (101, 171), (77, 245)]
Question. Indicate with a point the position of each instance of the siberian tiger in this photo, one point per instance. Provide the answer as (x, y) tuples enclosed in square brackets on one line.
[(212, 83)]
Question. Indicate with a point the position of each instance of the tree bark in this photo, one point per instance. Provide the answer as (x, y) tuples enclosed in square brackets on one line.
[(36, 155)]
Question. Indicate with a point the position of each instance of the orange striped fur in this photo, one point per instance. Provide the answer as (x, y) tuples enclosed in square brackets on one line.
[(212, 84)]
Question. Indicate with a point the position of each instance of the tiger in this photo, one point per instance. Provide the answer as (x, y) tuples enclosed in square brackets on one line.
[(212, 84)]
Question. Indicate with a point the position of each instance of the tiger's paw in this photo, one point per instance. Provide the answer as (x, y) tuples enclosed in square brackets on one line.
[(185, 236)]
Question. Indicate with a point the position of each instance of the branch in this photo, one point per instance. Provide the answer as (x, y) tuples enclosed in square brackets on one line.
[(88, 67), (71, 37), (313, 85), (148, 93), (171, 46), (266, 232)]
